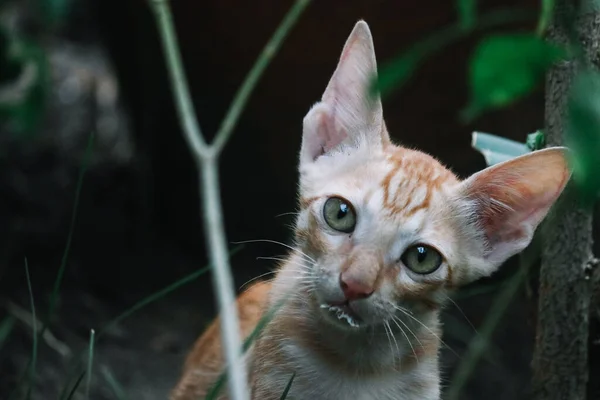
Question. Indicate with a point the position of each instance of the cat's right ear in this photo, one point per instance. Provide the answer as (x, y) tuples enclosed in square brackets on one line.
[(347, 116), (501, 206)]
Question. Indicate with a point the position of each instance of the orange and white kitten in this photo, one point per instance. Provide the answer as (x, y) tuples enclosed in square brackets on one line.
[(383, 232)]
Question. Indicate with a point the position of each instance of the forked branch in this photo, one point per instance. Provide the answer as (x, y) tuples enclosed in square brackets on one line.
[(206, 157)]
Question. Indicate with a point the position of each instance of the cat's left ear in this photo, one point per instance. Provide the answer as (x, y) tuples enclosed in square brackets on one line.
[(501, 206), (347, 117)]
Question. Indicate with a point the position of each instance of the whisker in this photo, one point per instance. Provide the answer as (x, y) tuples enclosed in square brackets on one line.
[(462, 312), (255, 278), (386, 327), (287, 213), (401, 309), (279, 243), (287, 260), (407, 339), (396, 318), (394, 337)]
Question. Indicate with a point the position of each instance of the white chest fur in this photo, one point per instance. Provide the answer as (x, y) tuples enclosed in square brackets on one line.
[(315, 380)]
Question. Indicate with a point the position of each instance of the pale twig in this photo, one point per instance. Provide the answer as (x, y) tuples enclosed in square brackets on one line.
[(181, 93), (263, 60), (206, 157)]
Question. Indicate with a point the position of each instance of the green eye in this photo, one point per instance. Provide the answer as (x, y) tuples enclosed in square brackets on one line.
[(422, 259), (339, 214)]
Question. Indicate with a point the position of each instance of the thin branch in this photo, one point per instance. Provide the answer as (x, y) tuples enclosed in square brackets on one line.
[(263, 60), (206, 157), (180, 87)]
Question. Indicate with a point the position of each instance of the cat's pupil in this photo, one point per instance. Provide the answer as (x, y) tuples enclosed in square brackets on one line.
[(343, 211), (421, 254)]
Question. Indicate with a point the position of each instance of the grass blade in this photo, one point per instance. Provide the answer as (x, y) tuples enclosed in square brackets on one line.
[(77, 383), (263, 60), (480, 342), (67, 384), (159, 295), (284, 395), (112, 382), (6, 328), (90, 364), (34, 351), (214, 392), (63, 263), (59, 277), (467, 10)]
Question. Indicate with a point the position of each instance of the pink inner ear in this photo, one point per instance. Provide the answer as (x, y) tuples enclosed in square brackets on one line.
[(321, 132), (512, 198), (330, 135), (506, 208)]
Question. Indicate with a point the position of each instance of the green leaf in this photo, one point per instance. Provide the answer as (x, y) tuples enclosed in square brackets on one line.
[(467, 10), (505, 68), (582, 133), (496, 149)]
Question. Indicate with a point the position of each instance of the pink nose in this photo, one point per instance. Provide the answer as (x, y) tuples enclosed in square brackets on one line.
[(353, 289)]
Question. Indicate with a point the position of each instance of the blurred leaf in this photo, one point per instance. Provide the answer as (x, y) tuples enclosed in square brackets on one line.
[(393, 75), (467, 10), (54, 11), (545, 16), (505, 68), (582, 135), (22, 99), (496, 149)]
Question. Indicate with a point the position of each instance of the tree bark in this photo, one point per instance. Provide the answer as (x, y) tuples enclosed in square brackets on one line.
[(560, 362)]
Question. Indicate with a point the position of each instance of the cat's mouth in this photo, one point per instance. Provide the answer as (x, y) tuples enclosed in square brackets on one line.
[(343, 313)]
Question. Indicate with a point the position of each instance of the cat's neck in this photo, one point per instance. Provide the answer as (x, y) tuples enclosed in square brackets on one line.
[(394, 347)]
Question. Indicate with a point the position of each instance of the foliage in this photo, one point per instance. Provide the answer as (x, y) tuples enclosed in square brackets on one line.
[(582, 134), (24, 80), (504, 68), (24, 72)]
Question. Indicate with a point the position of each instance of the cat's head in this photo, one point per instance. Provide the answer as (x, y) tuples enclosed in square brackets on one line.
[(389, 227)]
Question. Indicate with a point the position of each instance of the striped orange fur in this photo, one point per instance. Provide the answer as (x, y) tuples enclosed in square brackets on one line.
[(382, 235)]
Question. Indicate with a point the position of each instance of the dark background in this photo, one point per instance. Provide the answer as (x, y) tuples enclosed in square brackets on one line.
[(138, 226)]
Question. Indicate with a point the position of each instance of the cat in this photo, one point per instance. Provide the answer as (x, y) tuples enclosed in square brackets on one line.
[(382, 235)]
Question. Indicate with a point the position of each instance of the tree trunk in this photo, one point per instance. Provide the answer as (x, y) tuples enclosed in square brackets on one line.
[(560, 362)]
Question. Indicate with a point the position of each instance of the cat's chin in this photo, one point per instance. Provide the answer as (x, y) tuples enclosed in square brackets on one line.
[(342, 316)]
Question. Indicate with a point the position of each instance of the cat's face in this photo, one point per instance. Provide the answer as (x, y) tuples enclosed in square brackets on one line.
[(387, 230)]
